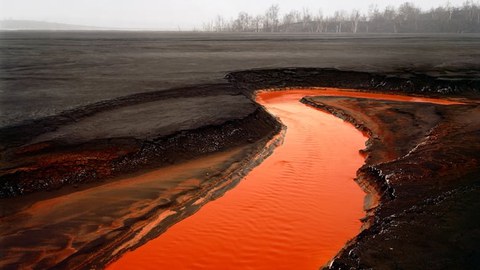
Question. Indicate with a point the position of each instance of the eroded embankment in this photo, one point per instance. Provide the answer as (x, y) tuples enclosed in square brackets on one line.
[(423, 164), (88, 229), (285, 214), (448, 192), (87, 225), (135, 133), (383, 118), (436, 229), (60, 150), (407, 82)]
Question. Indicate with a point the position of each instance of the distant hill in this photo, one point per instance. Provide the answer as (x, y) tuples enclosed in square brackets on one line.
[(39, 25)]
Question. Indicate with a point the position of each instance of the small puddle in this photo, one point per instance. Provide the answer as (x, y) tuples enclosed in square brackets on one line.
[(296, 210)]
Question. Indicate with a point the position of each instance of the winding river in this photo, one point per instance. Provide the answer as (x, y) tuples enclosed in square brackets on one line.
[(294, 211)]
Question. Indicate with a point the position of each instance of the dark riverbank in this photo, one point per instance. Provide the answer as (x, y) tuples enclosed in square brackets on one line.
[(126, 135), (84, 159), (150, 130), (423, 165)]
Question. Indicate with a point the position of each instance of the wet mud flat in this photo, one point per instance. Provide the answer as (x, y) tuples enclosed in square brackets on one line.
[(70, 149)]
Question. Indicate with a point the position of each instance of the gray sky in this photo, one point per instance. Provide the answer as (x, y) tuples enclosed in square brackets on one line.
[(172, 14)]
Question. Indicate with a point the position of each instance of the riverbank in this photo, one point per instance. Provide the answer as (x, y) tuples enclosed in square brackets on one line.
[(127, 135), (285, 213), (423, 166), (143, 151)]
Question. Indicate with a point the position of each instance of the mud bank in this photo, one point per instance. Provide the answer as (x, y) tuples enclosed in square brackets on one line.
[(143, 131), (200, 141), (90, 228), (284, 214), (404, 82), (438, 165), (135, 133), (423, 166)]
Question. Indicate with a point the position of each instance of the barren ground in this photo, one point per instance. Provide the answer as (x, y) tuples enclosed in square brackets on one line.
[(423, 161), (80, 107), (45, 73)]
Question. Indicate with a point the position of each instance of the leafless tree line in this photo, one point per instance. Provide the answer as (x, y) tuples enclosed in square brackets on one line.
[(407, 18)]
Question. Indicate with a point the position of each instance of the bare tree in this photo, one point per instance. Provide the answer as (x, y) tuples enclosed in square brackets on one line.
[(208, 27), (257, 23), (306, 18), (339, 18), (407, 18), (319, 20), (219, 24), (242, 23), (355, 18), (390, 16), (408, 12), (290, 18), (271, 18)]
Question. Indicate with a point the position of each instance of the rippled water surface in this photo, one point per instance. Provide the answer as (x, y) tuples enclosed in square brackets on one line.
[(294, 211)]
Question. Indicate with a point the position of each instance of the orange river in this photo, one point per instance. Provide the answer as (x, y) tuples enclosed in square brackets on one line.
[(296, 210)]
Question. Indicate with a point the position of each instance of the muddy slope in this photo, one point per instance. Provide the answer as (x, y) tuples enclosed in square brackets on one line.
[(101, 149), (423, 162), (128, 134), (141, 131), (437, 154), (422, 165), (397, 82)]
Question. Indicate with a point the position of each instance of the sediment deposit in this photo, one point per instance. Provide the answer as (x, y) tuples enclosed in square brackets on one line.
[(423, 166), (422, 161)]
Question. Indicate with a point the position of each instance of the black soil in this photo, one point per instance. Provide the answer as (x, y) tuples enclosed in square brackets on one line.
[(426, 173), (127, 135), (43, 73), (423, 162)]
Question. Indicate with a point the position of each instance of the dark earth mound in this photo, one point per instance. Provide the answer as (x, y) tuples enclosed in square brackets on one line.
[(423, 160), (127, 135)]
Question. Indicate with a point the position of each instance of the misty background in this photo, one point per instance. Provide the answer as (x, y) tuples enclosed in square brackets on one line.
[(185, 14)]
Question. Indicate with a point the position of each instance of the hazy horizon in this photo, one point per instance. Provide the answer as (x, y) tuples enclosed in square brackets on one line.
[(170, 15)]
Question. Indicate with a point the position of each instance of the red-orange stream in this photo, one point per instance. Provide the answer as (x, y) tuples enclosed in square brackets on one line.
[(294, 211)]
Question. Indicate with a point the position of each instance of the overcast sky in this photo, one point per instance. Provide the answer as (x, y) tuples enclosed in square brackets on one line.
[(172, 14)]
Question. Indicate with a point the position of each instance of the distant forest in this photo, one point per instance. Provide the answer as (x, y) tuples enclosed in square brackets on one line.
[(407, 18)]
